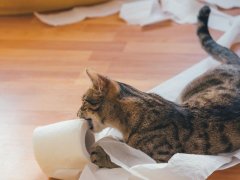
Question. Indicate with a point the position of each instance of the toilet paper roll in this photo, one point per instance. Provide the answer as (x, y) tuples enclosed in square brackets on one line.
[(62, 149)]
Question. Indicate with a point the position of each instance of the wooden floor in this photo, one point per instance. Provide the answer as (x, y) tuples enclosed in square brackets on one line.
[(42, 74)]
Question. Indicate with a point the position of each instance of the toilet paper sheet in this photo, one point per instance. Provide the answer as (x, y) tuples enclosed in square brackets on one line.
[(137, 165)]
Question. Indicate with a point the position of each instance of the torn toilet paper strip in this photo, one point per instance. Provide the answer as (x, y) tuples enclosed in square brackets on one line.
[(145, 12), (137, 165)]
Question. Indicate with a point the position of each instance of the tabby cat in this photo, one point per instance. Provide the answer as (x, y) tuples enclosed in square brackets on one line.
[(207, 121)]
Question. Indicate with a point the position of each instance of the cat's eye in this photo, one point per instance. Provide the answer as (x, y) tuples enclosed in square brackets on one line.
[(92, 101)]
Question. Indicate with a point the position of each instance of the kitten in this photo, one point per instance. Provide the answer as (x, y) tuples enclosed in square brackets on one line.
[(207, 121)]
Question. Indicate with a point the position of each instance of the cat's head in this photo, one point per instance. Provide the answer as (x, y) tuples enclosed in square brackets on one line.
[(106, 103)]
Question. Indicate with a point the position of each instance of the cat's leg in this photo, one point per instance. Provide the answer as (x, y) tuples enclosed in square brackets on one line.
[(99, 157)]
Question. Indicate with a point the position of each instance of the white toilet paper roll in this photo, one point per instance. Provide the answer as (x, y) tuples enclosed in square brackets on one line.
[(61, 149)]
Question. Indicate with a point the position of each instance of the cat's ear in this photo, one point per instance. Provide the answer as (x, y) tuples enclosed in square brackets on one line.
[(94, 77), (102, 83)]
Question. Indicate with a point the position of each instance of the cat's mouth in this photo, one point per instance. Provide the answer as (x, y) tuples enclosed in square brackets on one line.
[(90, 123)]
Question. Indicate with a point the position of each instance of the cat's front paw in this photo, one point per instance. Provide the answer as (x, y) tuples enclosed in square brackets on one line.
[(99, 157)]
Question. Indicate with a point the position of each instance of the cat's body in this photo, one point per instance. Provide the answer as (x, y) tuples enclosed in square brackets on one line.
[(206, 121)]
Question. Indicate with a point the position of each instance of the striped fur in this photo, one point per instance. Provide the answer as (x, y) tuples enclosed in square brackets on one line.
[(207, 121)]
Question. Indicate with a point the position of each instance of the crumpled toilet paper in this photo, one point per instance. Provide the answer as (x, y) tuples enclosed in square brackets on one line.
[(145, 12), (137, 165)]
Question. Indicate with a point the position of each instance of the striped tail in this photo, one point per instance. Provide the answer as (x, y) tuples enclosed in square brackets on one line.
[(217, 51)]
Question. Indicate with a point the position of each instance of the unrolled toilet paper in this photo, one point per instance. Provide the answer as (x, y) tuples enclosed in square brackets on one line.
[(61, 149)]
